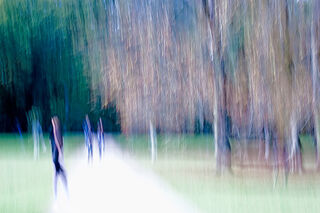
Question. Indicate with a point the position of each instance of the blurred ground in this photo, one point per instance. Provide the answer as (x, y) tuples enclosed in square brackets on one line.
[(115, 184), (25, 183), (185, 162)]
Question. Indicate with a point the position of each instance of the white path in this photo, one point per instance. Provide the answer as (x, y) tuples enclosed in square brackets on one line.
[(115, 184)]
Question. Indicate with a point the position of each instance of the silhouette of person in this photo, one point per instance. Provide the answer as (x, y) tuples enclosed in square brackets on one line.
[(100, 135), (57, 154), (88, 137)]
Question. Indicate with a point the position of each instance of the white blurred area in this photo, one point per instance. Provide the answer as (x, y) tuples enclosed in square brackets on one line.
[(115, 184)]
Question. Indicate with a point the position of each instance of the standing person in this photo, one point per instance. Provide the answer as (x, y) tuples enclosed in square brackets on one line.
[(88, 137), (57, 154), (100, 134), (37, 137), (40, 136)]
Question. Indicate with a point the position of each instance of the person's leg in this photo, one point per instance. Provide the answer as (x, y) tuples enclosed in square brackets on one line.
[(91, 151), (55, 182), (88, 148), (100, 146), (64, 179), (103, 143), (91, 147)]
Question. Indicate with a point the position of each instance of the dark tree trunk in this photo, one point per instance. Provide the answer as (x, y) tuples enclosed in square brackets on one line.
[(315, 81), (267, 142), (222, 145), (223, 158), (295, 158)]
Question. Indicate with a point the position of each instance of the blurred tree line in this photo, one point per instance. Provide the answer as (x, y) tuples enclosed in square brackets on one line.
[(237, 68), (40, 66)]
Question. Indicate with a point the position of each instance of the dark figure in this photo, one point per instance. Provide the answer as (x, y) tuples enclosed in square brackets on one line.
[(88, 137), (100, 135), (57, 154)]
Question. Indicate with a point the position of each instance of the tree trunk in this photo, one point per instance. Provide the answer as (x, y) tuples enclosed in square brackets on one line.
[(280, 153), (266, 142), (314, 93), (275, 167), (215, 125), (153, 141), (215, 26), (295, 155), (200, 117), (223, 157), (316, 139)]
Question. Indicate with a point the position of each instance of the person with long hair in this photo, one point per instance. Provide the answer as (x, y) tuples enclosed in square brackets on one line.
[(57, 154)]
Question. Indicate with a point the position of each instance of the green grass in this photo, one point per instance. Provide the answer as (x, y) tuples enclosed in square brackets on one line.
[(185, 162), (25, 183), (188, 165)]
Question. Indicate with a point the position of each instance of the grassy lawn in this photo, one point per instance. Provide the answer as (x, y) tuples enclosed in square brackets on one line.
[(188, 165), (25, 183), (185, 162)]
